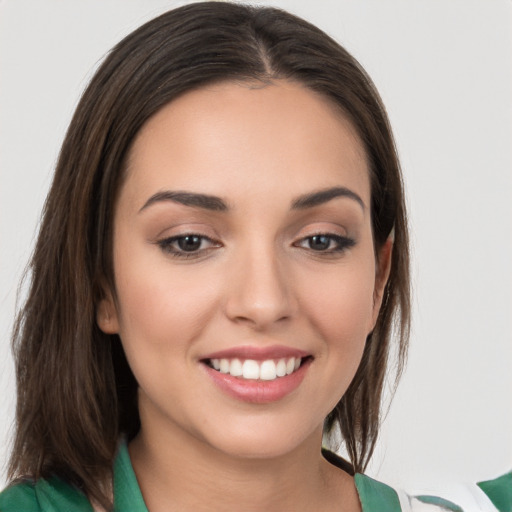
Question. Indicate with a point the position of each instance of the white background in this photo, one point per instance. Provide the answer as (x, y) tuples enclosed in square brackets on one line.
[(444, 70)]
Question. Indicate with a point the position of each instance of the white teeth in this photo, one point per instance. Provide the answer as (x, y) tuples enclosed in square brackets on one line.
[(281, 368), (236, 368), (250, 369), (224, 365), (253, 370), (268, 370)]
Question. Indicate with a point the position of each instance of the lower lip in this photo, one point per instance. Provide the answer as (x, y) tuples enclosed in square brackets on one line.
[(258, 391)]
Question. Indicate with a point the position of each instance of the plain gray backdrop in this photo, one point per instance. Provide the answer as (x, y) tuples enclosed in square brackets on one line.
[(443, 68)]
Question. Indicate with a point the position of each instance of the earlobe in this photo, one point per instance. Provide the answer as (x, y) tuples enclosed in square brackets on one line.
[(382, 272), (106, 315)]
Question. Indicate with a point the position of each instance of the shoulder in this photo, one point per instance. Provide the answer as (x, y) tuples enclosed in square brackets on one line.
[(499, 491), (488, 496), (51, 495), (19, 496), (376, 496), (491, 496)]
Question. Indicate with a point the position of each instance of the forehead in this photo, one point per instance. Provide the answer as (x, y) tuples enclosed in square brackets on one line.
[(241, 136)]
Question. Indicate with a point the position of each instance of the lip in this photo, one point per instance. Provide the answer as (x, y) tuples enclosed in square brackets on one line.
[(258, 391), (257, 353)]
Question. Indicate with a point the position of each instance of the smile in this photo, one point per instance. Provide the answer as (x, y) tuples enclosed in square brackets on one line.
[(258, 375), (251, 369)]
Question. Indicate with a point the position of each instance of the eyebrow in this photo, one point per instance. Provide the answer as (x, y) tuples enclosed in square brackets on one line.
[(214, 203), (193, 199), (325, 195)]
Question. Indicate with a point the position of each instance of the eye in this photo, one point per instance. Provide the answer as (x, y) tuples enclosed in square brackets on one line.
[(187, 245), (325, 242)]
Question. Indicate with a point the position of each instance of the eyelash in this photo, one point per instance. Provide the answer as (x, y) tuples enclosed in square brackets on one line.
[(342, 243), (169, 245)]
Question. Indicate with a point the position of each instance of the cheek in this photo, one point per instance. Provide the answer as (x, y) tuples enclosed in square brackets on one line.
[(161, 306), (337, 306), (340, 305), (341, 312)]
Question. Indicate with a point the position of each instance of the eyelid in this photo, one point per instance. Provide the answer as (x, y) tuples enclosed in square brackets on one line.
[(166, 245), (182, 228), (342, 242)]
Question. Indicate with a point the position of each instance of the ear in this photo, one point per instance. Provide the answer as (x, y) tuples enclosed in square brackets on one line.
[(106, 314), (382, 271)]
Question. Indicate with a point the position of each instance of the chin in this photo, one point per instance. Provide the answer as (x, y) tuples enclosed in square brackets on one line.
[(265, 441)]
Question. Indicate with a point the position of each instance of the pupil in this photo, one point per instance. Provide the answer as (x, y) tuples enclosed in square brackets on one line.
[(319, 242), (189, 243)]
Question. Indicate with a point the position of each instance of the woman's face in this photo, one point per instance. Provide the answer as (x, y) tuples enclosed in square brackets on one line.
[(245, 272)]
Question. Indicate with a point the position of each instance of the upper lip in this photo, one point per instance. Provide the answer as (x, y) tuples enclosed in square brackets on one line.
[(257, 353)]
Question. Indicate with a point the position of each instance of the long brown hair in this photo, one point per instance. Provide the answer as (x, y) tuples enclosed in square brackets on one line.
[(76, 393)]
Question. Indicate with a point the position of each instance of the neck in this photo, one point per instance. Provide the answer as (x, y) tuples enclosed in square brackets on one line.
[(188, 474)]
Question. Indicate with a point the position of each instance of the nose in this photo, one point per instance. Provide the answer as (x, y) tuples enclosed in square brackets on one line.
[(260, 291)]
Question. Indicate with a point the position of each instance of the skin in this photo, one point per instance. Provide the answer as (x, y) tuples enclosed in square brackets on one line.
[(257, 279)]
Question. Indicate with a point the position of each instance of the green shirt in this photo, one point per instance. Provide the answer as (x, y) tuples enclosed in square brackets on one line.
[(54, 495)]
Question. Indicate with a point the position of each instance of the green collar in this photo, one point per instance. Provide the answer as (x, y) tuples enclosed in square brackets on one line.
[(127, 495), (376, 496), (499, 491)]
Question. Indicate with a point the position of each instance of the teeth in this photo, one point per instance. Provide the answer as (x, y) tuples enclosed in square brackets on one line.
[(250, 369), (224, 365), (281, 368), (268, 370), (236, 368), (257, 370)]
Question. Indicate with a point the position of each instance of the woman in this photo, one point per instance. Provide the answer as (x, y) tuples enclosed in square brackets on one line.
[(222, 256)]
